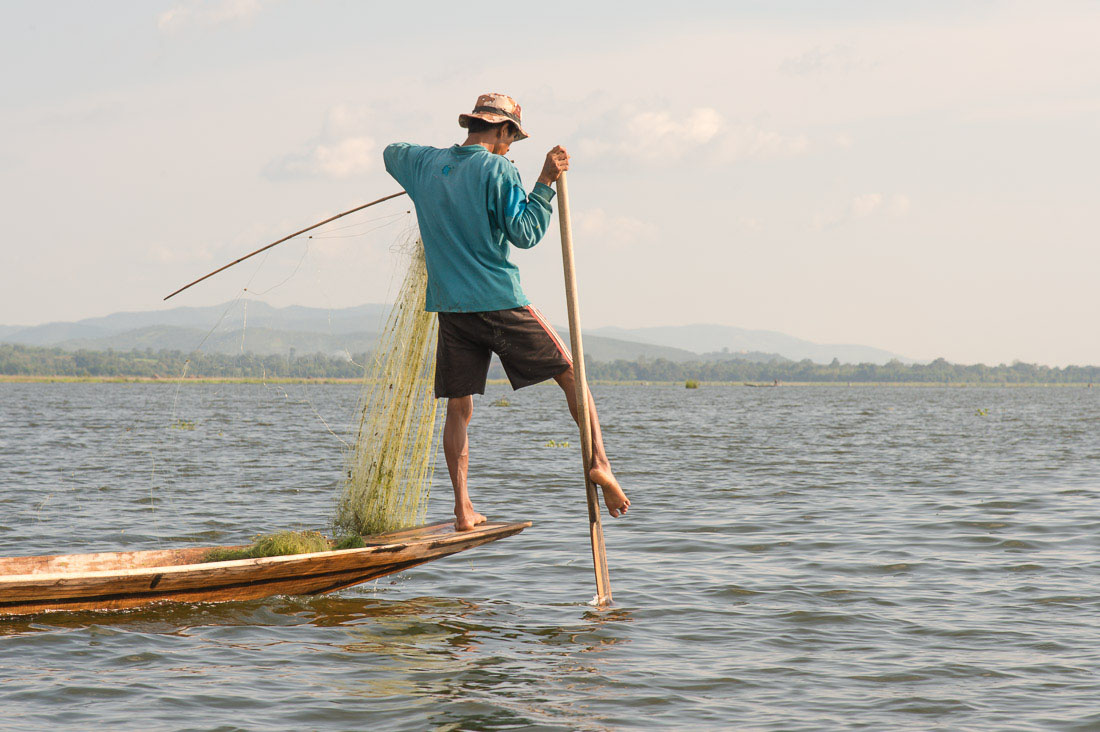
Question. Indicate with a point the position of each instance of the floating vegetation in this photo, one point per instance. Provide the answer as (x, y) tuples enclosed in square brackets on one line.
[(350, 542), (981, 413), (274, 545), (502, 402), (182, 424), (389, 467), (552, 443), (691, 384)]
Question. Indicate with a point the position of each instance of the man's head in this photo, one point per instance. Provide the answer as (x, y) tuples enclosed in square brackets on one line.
[(495, 122)]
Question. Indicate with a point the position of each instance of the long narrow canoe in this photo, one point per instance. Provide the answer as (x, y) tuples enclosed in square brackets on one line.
[(117, 580)]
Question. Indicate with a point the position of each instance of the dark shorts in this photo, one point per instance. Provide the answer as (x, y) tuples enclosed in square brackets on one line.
[(529, 349)]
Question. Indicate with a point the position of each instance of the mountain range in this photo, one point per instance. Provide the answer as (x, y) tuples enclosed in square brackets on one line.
[(721, 342), (256, 327)]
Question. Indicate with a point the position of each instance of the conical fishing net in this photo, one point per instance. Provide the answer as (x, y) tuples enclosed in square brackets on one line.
[(389, 466)]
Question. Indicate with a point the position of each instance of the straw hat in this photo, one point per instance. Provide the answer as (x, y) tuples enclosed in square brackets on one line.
[(494, 109)]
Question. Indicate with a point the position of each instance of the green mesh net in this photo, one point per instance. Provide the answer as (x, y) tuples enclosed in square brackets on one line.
[(389, 466)]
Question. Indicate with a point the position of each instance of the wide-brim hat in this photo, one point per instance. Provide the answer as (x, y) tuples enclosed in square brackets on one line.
[(494, 109)]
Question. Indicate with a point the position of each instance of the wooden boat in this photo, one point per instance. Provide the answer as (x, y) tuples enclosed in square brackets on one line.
[(117, 580)]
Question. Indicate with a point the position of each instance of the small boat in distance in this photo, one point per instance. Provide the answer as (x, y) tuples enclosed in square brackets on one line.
[(119, 580), (762, 386)]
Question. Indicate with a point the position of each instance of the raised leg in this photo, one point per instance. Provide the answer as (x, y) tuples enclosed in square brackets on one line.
[(456, 448), (600, 470)]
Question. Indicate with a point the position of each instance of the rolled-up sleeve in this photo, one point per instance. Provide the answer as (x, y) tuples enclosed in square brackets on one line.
[(523, 218)]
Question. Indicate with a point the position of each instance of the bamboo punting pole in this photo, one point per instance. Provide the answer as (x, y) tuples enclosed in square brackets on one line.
[(286, 238), (595, 528)]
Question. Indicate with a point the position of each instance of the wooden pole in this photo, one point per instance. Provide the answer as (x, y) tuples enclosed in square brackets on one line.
[(285, 238), (595, 528)]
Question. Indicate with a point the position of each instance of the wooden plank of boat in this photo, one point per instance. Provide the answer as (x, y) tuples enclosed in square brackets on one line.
[(118, 580)]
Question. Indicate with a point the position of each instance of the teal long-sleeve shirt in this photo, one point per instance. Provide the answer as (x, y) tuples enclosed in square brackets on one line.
[(470, 204)]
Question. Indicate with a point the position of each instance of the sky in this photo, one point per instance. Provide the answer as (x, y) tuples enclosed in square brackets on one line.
[(919, 177)]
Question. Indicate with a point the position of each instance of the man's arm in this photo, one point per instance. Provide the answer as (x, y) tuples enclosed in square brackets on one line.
[(524, 218), (400, 157)]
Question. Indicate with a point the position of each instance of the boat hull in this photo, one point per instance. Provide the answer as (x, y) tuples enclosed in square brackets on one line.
[(120, 580)]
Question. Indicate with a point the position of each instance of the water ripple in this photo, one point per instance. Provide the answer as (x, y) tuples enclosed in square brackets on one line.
[(797, 559)]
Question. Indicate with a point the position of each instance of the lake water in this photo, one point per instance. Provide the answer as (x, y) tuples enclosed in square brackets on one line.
[(800, 558)]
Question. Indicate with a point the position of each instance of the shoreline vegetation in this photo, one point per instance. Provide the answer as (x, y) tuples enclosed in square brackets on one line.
[(199, 380), (20, 363)]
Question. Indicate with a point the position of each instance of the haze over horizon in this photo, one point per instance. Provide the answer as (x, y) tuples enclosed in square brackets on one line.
[(915, 178)]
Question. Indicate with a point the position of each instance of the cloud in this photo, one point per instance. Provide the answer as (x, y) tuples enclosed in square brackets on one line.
[(665, 135), (652, 135), (746, 142), (341, 151), (342, 159), (898, 205), (863, 206), (207, 13), (344, 120), (839, 59), (749, 223), (616, 232)]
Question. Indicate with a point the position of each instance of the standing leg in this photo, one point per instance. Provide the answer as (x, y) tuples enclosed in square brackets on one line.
[(456, 448), (600, 471)]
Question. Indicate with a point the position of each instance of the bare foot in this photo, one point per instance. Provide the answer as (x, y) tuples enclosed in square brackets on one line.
[(467, 518), (613, 497)]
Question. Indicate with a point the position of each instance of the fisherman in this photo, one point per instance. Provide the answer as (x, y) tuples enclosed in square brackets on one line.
[(470, 204)]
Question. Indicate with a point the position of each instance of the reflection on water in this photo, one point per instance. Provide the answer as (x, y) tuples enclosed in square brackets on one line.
[(462, 661)]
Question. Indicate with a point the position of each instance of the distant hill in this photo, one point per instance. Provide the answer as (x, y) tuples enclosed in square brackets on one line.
[(600, 348), (269, 330), (750, 356), (256, 340), (268, 341), (724, 341), (52, 334), (230, 315)]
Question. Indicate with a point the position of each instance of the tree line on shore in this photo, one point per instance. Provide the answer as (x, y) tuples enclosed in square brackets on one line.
[(31, 361)]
